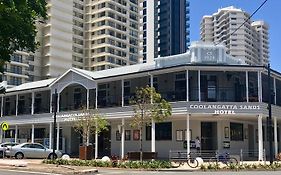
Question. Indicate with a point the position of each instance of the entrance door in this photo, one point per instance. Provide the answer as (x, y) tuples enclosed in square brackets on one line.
[(104, 143), (208, 135), (251, 141)]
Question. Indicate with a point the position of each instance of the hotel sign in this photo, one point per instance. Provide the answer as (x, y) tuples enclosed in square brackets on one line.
[(224, 109), (72, 116), (209, 55)]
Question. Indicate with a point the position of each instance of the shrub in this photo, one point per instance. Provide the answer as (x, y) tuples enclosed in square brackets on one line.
[(203, 167), (157, 164)]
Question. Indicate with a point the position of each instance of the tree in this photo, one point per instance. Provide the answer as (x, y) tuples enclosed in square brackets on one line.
[(17, 26), (148, 105), (89, 123)]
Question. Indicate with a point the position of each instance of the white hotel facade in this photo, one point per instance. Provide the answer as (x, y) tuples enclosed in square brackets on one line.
[(224, 102)]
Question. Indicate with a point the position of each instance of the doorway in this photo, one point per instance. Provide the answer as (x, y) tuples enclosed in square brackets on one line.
[(209, 136), (104, 143), (251, 141)]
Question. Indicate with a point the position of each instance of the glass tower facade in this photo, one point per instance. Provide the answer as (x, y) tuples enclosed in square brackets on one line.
[(171, 27)]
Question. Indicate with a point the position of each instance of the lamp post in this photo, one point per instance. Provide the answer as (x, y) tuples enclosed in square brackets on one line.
[(54, 107), (269, 122)]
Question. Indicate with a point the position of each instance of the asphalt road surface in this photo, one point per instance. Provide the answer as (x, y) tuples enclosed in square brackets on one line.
[(17, 172), (129, 172)]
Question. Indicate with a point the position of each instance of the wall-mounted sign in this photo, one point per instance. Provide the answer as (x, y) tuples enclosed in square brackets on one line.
[(209, 55), (223, 108), (226, 144)]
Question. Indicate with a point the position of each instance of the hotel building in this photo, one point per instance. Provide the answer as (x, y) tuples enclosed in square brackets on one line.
[(213, 95)]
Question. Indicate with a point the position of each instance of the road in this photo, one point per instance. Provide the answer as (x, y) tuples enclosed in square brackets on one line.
[(129, 172), (17, 172)]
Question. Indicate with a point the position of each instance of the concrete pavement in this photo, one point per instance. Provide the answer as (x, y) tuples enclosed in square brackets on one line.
[(36, 165)]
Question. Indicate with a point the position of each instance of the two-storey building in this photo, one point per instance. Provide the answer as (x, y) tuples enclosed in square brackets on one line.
[(214, 96)]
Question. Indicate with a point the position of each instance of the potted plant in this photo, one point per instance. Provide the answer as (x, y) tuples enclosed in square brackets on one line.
[(88, 124)]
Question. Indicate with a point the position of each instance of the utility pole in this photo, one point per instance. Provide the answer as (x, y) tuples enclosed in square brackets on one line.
[(269, 122), (54, 107)]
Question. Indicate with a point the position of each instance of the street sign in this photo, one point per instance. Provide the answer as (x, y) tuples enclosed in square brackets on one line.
[(4, 126)]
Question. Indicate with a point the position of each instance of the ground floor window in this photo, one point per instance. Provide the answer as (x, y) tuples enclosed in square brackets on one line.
[(163, 131), (236, 132), (10, 133)]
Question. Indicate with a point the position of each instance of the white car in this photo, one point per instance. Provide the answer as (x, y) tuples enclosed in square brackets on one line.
[(32, 150)]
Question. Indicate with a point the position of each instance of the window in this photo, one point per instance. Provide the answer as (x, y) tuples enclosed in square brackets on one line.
[(38, 132), (26, 146), (163, 131), (118, 135), (179, 135), (127, 134), (10, 133), (37, 146), (236, 132)]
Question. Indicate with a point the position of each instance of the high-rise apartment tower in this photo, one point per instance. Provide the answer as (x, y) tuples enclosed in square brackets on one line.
[(91, 34), (165, 28), (250, 42), (87, 34)]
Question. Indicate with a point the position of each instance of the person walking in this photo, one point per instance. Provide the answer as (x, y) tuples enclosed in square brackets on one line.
[(198, 144)]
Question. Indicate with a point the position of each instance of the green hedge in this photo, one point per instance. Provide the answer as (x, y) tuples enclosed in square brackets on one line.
[(156, 164)]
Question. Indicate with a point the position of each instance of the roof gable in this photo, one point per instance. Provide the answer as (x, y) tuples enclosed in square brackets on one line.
[(73, 76)]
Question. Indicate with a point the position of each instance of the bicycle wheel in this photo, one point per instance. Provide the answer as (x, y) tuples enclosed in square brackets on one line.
[(192, 163), (232, 161)]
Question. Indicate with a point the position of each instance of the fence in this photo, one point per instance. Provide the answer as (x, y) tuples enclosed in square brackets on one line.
[(241, 155)]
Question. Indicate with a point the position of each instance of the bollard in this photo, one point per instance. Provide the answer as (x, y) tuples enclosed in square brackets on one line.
[(264, 156), (241, 155)]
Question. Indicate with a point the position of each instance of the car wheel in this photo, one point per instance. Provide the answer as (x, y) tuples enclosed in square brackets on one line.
[(1, 154), (51, 156), (19, 155)]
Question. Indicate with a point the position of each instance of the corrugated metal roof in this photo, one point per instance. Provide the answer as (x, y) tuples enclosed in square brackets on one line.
[(31, 85), (118, 71)]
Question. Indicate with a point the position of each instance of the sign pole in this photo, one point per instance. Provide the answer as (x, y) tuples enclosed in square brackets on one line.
[(55, 101)]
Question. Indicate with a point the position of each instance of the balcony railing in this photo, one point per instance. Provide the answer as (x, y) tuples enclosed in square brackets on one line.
[(109, 101)]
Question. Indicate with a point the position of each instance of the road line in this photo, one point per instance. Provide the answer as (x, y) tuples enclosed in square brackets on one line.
[(32, 172)]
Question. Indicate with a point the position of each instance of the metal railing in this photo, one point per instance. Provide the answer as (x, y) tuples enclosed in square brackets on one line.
[(241, 155)]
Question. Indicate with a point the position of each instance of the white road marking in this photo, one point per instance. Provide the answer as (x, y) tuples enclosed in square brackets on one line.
[(32, 172)]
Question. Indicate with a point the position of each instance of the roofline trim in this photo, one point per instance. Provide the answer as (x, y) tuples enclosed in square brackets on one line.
[(69, 70)]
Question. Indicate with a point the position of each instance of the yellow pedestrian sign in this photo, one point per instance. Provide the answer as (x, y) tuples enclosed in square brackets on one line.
[(4, 126)]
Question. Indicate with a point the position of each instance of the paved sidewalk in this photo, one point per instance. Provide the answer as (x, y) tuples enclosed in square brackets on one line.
[(37, 166), (185, 167)]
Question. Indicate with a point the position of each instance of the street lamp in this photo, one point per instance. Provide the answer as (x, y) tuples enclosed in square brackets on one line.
[(54, 107), (269, 122)]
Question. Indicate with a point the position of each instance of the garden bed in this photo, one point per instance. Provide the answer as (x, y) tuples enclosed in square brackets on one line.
[(241, 167), (151, 165)]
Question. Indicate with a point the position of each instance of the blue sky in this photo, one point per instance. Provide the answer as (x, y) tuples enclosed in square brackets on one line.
[(270, 12)]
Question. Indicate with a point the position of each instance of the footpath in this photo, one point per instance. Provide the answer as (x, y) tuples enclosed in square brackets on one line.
[(36, 165)]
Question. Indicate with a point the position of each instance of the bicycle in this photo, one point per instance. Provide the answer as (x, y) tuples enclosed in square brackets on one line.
[(181, 158), (224, 158)]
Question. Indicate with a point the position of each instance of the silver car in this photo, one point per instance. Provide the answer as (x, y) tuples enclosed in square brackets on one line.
[(5, 146), (32, 150)]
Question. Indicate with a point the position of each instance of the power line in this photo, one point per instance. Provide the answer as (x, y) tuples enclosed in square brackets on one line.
[(245, 20)]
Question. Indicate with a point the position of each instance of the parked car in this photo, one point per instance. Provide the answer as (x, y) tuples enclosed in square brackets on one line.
[(32, 150), (5, 146)]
